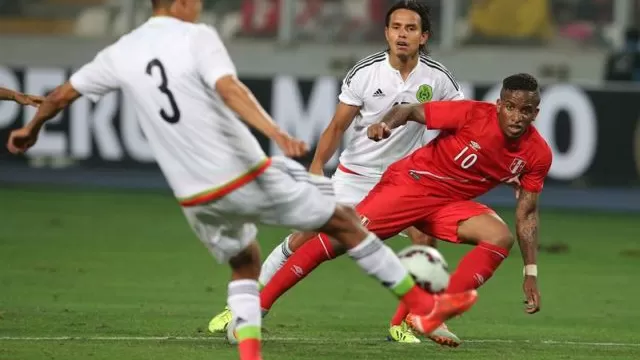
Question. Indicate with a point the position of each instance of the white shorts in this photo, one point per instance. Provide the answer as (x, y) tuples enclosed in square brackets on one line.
[(351, 188), (285, 195)]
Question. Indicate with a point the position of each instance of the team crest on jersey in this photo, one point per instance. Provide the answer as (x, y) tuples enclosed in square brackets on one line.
[(424, 93), (517, 165), (364, 221)]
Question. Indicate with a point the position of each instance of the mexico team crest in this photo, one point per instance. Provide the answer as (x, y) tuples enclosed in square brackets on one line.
[(424, 93), (517, 165)]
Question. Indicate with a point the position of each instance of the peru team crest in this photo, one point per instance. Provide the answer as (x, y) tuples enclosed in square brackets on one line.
[(424, 93), (517, 165)]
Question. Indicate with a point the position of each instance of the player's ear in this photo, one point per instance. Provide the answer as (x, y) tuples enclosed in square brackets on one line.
[(386, 33), (424, 37)]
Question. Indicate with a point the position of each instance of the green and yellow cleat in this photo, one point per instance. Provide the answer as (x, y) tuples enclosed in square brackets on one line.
[(402, 334), (220, 322)]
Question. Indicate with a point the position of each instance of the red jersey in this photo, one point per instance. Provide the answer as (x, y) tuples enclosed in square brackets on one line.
[(472, 156)]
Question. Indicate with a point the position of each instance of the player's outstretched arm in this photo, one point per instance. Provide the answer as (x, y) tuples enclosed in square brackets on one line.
[(331, 136), (22, 139), (20, 98), (527, 232), (241, 100), (400, 114), (397, 116)]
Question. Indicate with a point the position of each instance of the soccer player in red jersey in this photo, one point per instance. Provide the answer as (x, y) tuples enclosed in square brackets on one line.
[(481, 145)]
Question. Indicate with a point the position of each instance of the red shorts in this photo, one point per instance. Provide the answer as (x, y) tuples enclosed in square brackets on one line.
[(398, 202)]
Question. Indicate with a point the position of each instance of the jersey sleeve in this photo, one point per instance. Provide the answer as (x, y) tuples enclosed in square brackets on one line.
[(211, 56), (97, 77), (351, 93), (447, 115), (449, 88), (533, 180)]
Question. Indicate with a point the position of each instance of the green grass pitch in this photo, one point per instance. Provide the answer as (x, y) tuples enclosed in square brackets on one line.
[(123, 275)]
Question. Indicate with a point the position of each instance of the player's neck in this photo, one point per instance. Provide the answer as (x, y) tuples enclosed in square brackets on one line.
[(160, 12), (404, 65)]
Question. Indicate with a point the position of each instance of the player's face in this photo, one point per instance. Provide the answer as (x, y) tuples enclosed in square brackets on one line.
[(404, 33), (189, 10), (516, 111)]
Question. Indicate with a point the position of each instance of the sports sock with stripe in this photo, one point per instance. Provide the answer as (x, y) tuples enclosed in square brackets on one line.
[(476, 267), (244, 302), (379, 261), (274, 261), (300, 264)]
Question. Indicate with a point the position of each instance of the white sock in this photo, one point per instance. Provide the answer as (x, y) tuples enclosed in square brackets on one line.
[(274, 261), (379, 261), (244, 302)]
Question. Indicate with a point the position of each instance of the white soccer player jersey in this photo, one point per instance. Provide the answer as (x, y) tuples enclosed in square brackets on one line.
[(375, 86), (169, 68)]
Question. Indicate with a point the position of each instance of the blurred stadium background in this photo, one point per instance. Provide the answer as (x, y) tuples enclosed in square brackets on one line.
[(67, 210), (293, 53)]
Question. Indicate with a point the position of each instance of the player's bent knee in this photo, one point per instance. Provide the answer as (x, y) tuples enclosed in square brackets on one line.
[(344, 218), (246, 264), (297, 239), (504, 240), (487, 228), (345, 226)]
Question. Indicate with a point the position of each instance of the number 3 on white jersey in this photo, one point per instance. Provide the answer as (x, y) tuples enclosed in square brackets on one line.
[(468, 160)]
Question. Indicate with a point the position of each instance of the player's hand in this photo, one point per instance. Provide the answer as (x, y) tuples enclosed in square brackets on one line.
[(24, 99), (291, 147), (21, 140), (531, 294), (515, 184), (378, 131)]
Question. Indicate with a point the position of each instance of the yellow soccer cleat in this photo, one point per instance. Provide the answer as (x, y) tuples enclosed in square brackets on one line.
[(402, 334), (220, 322)]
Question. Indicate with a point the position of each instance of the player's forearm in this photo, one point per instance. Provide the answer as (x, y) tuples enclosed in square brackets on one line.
[(240, 99), (50, 107), (401, 114), (327, 146), (527, 232), (7, 94)]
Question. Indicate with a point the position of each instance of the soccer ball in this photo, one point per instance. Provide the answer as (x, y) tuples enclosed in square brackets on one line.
[(427, 266)]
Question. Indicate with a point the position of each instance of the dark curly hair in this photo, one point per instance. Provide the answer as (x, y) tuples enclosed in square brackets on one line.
[(522, 81)]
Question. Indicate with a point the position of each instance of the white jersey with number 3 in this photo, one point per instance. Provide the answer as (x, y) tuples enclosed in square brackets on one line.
[(168, 68)]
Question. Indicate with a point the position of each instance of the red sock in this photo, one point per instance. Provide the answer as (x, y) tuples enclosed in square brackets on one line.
[(401, 312), (313, 253), (477, 267), (417, 301), (249, 349)]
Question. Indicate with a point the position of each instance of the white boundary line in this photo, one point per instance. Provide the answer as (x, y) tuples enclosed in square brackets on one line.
[(294, 339)]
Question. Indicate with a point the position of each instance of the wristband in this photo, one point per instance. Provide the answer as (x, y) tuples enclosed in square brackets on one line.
[(530, 270)]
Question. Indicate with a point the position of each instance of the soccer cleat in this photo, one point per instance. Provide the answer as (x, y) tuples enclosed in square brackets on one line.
[(402, 333), (443, 336), (232, 337), (446, 306), (220, 322)]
